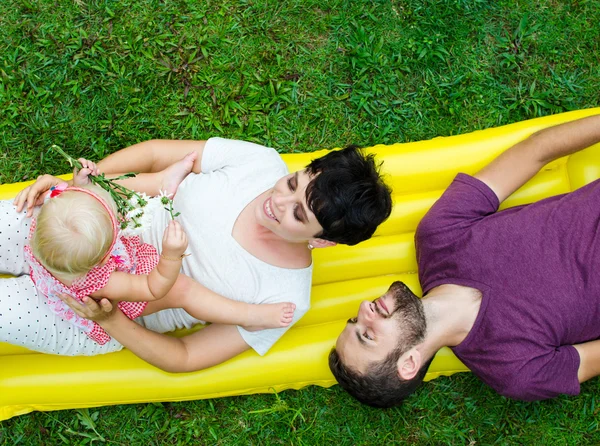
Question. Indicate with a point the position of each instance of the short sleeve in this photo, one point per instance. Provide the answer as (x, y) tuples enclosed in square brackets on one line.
[(465, 201), (544, 376), (220, 153), (448, 227)]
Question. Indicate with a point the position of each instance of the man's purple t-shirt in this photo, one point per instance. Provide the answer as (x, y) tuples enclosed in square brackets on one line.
[(536, 267)]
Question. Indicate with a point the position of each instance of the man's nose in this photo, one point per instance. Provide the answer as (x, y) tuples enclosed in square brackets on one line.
[(365, 312)]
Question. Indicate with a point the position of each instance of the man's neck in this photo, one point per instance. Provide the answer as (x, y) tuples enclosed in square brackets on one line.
[(451, 311)]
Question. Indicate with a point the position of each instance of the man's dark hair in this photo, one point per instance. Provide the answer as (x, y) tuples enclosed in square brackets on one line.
[(347, 195), (381, 386)]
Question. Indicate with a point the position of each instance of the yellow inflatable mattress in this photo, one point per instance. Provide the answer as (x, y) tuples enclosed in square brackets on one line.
[(343, 276)]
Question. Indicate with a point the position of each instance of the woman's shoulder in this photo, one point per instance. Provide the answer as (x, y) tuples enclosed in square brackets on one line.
[(222, 152), (279, 283)]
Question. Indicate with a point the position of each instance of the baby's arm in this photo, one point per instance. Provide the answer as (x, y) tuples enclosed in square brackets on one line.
[(156, 285)]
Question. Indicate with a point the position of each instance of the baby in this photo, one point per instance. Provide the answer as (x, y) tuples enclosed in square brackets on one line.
[(77, 248)]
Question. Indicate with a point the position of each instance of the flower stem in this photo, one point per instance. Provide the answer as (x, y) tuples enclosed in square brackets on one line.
[(120, 194)]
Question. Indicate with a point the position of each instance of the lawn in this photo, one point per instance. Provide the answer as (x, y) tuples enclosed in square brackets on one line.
[(297, 75)]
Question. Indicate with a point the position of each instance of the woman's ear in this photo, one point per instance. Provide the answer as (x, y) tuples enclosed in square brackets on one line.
[(321, 243), (409, 364)]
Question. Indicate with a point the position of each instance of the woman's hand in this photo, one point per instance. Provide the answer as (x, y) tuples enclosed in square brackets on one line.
[(33, 195), (90, 309), (80, 177)]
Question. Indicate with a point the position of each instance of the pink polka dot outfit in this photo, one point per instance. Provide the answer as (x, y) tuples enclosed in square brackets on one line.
[(128, 255)]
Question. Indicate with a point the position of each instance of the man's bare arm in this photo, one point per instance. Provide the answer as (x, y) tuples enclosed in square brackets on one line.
[(589, 360), (151, 156), (521, 162)]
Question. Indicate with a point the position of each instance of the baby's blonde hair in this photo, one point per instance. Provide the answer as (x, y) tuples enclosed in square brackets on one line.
[(73, 232)]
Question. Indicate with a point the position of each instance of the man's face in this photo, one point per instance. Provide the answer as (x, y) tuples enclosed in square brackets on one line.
[(377, 329)]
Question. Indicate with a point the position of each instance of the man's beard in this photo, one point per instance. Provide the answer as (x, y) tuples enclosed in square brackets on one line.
[(408, 313)]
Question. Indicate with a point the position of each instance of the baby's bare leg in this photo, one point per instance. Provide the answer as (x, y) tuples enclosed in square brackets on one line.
[(206, 305), (147, 183), (167, 180)]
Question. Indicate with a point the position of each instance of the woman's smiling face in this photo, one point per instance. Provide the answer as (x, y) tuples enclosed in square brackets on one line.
[(284, 210)]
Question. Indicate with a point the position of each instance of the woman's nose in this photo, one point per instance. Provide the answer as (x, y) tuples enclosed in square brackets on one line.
[(280, 200)]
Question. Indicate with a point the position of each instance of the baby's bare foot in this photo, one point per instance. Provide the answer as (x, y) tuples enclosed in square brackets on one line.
[(265, 316), (175, 173)]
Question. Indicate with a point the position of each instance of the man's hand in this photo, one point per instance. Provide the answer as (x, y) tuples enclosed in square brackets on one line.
[(90, 309), (33, 195), (80, 177), (175, 240)]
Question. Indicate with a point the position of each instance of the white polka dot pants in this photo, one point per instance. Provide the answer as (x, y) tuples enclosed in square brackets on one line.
[(14, 232), (25, 319)]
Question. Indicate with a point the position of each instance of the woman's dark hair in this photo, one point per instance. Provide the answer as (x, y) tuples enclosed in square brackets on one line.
[(347, 195), (381, 386)]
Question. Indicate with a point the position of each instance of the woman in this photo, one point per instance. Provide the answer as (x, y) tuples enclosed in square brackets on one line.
[(251, 227)]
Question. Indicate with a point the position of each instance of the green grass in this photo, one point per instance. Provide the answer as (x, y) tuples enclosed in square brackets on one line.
[(456, 410), (298, 75)]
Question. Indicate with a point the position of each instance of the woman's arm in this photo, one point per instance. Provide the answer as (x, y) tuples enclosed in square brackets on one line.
[(145, 157), (34, 195), (151, 156), (208, 347)]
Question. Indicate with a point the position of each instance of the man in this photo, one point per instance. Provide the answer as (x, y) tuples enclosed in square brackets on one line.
[(513, 293)]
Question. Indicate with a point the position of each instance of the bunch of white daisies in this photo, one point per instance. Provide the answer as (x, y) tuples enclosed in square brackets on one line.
[(135, 210)]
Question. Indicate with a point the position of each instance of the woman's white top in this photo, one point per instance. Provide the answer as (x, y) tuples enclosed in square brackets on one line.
[(233, 174)]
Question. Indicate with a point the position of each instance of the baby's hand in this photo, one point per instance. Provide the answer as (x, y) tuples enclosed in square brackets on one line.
[(175, 241), (80, 177)]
